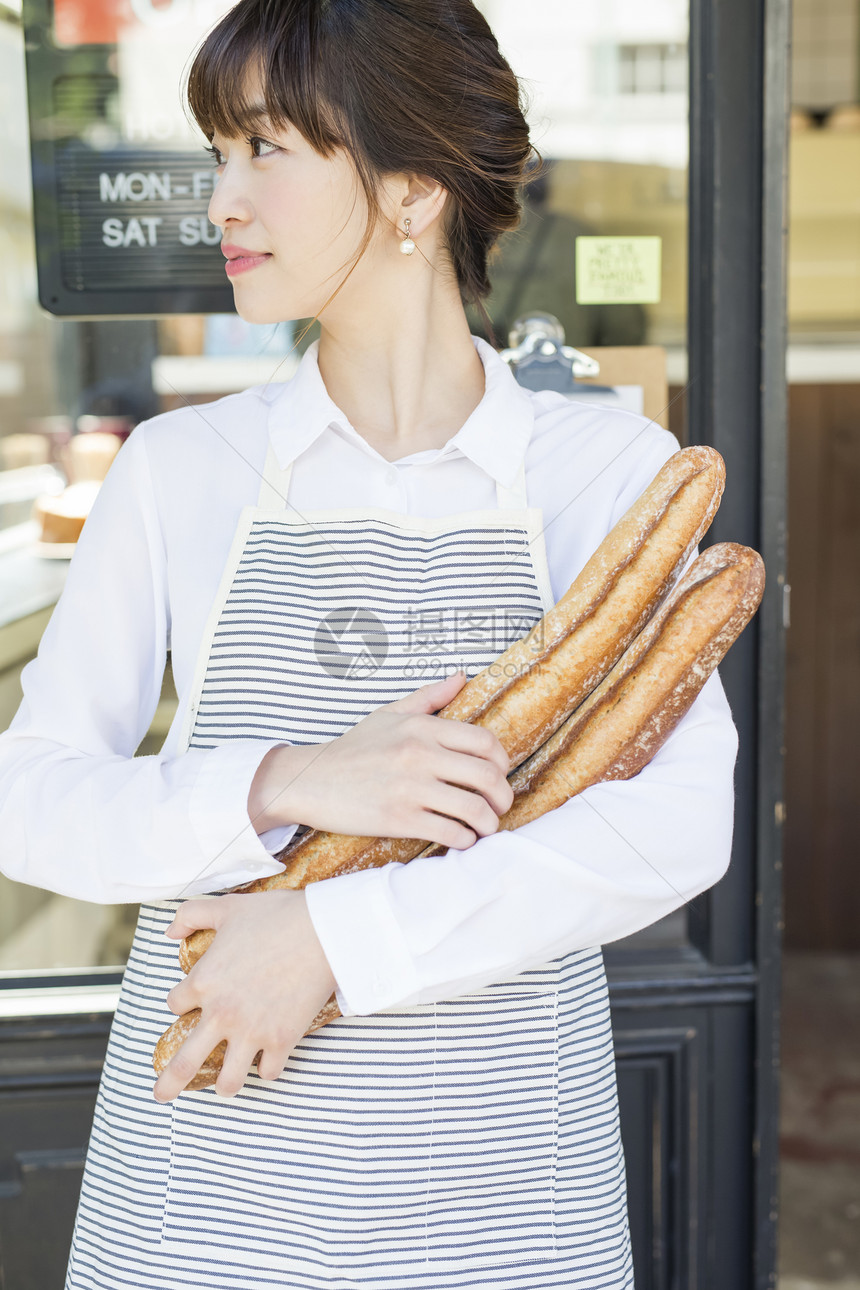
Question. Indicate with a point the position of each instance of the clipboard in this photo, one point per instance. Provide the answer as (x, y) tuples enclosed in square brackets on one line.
[(626, 376), (639, 365)]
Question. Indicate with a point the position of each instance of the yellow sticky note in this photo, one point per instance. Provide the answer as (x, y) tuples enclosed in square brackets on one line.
[(618, 270)]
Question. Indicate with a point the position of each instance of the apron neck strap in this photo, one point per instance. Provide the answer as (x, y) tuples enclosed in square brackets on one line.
[(275, 487)]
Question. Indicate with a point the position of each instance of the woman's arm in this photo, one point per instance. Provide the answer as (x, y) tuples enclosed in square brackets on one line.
[(606, 864), (79, 814)]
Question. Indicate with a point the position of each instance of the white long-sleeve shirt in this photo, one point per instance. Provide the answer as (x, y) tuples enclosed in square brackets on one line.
[(80, 815)]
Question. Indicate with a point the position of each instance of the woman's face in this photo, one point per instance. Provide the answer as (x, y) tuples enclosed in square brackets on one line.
[(292, 222)]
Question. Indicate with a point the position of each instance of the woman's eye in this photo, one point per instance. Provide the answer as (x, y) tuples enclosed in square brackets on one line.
[(261, 147)]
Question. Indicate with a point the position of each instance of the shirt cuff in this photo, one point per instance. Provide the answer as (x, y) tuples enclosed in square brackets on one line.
[(274, 840), (232, 851), (362, 941)]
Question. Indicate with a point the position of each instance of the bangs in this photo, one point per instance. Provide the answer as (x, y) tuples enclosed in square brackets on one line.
[(259, 66)]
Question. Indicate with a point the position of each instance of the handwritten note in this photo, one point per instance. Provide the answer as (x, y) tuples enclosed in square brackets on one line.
[(618, 270)]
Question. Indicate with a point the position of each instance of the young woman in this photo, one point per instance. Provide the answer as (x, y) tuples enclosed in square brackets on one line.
[(321, 557)]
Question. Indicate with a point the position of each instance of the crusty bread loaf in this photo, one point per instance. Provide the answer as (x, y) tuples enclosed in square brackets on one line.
[(535, 685), (539, 680), (626, 720), (526, 693), (623, 723)]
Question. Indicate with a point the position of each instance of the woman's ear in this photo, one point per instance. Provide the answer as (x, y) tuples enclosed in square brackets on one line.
[(423, 203)]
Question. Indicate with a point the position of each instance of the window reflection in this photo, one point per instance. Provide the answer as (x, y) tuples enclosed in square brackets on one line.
[(608, 90)]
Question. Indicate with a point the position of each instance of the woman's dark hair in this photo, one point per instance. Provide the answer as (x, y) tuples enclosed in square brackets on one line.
[(403, 85)]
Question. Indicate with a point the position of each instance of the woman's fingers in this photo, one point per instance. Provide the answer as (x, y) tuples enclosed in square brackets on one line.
[(182, 998), (237, 1063), (193, 915), (446, 832), (471, 809), (475, 774), (369, 780), (258, 988), (433, 696), (182, 1068), (271, 1063), (460, 737)]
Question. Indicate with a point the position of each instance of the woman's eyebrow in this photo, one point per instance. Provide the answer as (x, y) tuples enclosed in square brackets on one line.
[(258, 113), (254, 117)]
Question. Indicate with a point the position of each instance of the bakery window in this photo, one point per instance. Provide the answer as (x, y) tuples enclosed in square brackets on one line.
[(73, 387), (652, 69), (70, 393)]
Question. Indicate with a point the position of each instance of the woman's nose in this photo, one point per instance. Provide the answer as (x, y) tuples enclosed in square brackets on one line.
[(227, 201)]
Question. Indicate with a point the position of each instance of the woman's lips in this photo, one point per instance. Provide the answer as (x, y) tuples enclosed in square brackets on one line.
[(242, 263)]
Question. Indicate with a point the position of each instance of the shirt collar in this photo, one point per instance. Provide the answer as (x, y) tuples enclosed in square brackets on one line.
[(494, 437)]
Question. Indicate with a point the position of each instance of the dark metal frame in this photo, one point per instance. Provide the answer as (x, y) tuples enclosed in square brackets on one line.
[(697, 1025), (737, 329)]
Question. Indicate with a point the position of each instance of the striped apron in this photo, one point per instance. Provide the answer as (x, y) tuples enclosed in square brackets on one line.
[(472, 1142)]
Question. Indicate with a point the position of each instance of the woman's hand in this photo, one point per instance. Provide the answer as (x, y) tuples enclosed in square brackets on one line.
[(259, 986), (399, 773)]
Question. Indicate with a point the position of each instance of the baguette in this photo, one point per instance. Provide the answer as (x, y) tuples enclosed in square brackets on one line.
[(620, 726), (627, 719), (539, 680)]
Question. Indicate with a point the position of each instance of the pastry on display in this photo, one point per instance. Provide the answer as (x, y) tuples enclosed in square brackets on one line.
[(18, 451), (88, 460), (90, 455), (62, 516)]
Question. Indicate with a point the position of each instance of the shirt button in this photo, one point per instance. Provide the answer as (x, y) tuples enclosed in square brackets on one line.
[(391, 477)]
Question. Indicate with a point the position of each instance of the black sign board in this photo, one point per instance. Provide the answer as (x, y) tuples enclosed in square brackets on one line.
[(120, 195)]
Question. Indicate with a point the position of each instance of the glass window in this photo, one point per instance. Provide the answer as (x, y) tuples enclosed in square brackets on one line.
[(823, 469), (609, 107), (609, 110), (616, 163), (824, 194)]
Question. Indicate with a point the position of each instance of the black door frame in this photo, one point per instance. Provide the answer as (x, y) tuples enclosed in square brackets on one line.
[(738, 402), (697, 1024)]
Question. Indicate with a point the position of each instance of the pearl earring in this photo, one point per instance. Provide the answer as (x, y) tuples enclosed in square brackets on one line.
[(407, 246)]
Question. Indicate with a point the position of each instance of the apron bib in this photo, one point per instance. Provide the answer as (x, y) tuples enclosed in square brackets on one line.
[(469, 1142)]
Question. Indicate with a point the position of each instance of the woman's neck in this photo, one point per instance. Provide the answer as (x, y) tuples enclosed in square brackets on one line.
[(406, 374)]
